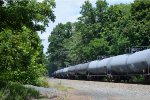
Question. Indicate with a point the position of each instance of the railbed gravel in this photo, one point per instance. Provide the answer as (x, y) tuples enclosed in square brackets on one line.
[(95, 90)]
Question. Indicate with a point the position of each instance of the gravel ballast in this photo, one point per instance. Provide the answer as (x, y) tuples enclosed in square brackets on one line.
[(92, 90)]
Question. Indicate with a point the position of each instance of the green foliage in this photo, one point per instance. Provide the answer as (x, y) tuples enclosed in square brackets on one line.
[(98, 47), (88, 13), (138, 78), (19, 56), (21, 53), (16, 91), (101, 30), (42, 81), (73, 47), (57, 51), (34, 15), (140, 22)]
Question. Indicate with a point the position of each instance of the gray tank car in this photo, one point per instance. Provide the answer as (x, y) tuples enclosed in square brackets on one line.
[(55, 74), (101, 68), (65, 72), (58, 74), (77, 68), (118, 65), (92, 67), (71, 71), (82, 69), (117, 68), (139, 62)]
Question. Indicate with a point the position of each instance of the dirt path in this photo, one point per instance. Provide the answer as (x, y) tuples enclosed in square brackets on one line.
[(90, 90)]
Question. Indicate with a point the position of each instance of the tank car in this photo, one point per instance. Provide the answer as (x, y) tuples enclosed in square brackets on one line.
[(92, 67), (81, 70), (101, 68), (71, 71), (139, 62), (77, 68), (60, 75), (65, 72), (118, 65)]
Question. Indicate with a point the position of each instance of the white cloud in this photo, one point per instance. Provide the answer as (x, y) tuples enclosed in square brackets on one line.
[(69, 10), (112, 2)]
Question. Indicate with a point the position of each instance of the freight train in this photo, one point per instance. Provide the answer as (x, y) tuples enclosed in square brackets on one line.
[(115, 68)]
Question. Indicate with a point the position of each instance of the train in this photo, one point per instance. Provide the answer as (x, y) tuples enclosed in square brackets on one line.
[(116, 68)]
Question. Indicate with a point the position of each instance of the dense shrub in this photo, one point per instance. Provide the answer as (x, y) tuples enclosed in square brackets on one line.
[(16, 91)]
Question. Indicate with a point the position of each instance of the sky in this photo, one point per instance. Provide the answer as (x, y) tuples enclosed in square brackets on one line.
[(69, 10)]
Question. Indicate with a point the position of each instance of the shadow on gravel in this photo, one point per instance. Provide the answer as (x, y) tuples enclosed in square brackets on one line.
[(141, 83)]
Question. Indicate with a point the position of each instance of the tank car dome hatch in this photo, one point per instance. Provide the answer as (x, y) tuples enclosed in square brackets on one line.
[(102, 66), (139, 62), (92, 66), (118, 64)]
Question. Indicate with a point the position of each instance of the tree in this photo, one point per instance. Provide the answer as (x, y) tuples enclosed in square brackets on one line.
[(101, 30), (139, 26), (74, 47), (21, 52), (34, 15), (57, 53), (118, 17)]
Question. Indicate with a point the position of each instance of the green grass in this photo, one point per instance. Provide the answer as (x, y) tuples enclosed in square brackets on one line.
[(16, 91)]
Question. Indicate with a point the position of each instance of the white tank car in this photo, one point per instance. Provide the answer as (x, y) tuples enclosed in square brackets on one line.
[(118, 65), (139, 62), (92, 67)]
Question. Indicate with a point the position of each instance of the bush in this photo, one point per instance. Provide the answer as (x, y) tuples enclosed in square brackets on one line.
[(42, 81), (138, 78), (16, 91)]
